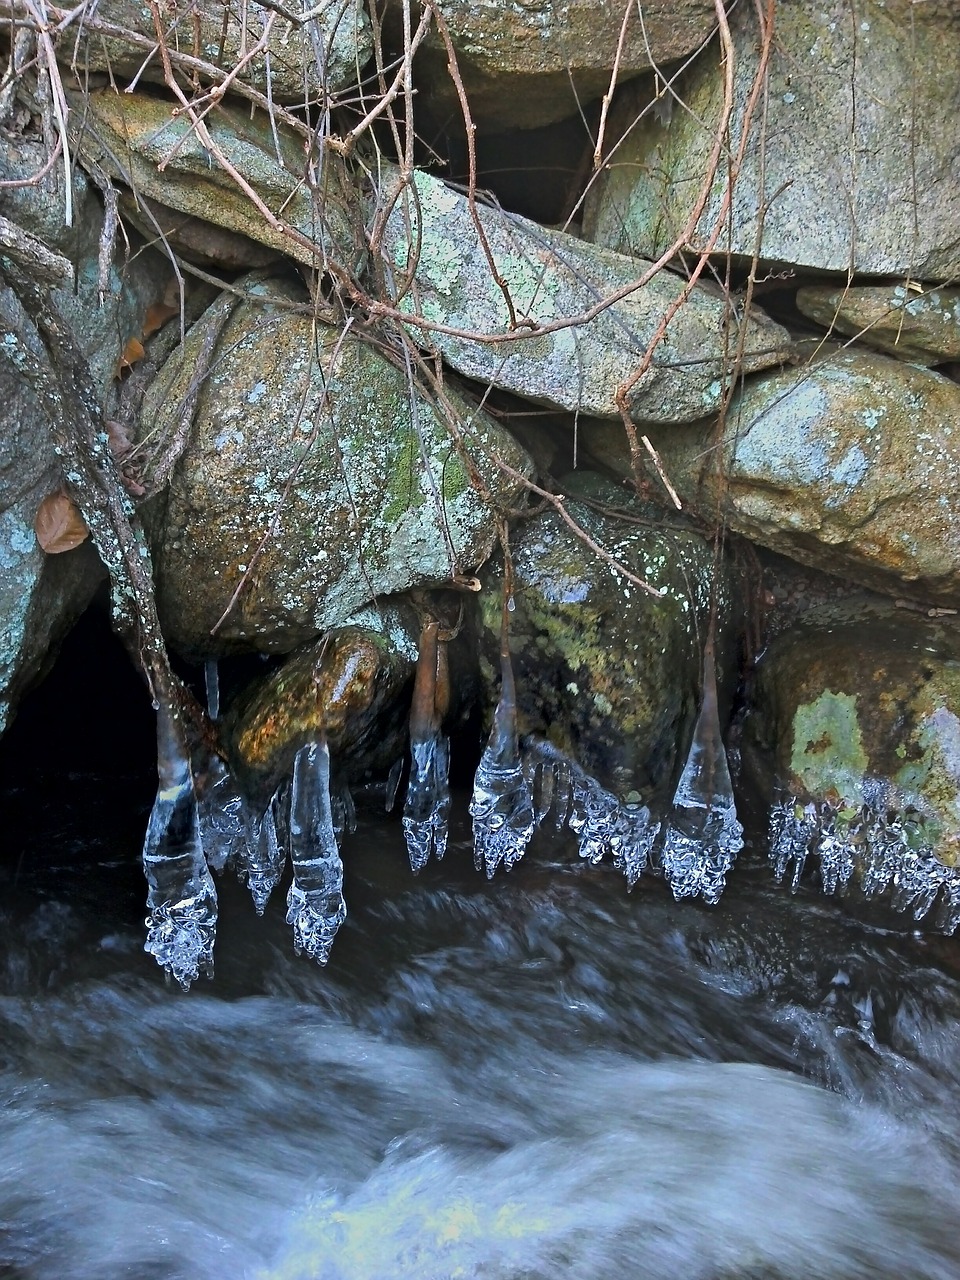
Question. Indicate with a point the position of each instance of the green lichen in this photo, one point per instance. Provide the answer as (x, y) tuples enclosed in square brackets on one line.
[(828, 752)]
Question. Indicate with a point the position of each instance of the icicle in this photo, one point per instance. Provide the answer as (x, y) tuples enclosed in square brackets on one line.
[(501, 806), (792, 827), (426, 811), (260, 860), (222, 816), (703, 834), (181, 897), (211, 677), (315, 905)]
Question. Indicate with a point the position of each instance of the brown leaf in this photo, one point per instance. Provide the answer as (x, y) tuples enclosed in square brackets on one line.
[(132, 352), (59, 526), (157, 315)]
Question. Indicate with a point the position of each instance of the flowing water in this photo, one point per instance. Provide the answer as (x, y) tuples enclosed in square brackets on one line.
[(541, 1076)]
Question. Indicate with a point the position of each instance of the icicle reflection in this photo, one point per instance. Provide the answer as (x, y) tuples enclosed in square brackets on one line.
[(501, 806), (703, 834), (181, 898), (426, 811), (315, 905), (881, 848)]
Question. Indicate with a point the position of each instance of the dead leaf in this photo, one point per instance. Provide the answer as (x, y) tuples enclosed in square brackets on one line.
[(157, 315), (59, 526), (132, 352)]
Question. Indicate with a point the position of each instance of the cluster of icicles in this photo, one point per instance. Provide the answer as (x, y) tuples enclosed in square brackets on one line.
[(516, 786), (878, 844)]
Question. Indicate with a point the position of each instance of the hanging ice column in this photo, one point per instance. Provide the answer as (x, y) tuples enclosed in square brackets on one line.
[(315, 905), (181, 897), (703, 834), (426, 811), (502, 807)]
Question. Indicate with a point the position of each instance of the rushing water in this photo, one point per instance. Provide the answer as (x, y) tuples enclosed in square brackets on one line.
[(536, 1077)]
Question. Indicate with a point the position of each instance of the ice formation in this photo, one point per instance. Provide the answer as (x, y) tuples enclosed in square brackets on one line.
[(261, 860), (315, 905), (181, 898), (702, 833), (426, 811), (874, 844), (501, 805), (222, 816)]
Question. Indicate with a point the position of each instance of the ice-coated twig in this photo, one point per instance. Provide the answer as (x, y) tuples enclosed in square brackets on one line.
[(501, 805), (703, 834), (181, 898), (222, 815), (426, 811), (315, 905)]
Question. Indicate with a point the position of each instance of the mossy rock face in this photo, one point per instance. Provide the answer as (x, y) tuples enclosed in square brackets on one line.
[(314, 470), (850, 163), (859, 705), (345, 688), (847, 464), (551, 278), (606, 672)]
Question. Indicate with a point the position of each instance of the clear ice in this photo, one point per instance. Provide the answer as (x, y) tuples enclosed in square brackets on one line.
[(703, 834), (600, 821), (315, 905), (181, 898), (872, 844), (501, 805), (261, 860), (222, 814), (426, 810)]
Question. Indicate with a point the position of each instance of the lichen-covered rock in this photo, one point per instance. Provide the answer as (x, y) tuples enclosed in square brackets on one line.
[(316, 479), (549, 277), (851, 162), (138, 140), (525, 65), (848, 464), (855, 725), (300, 64), (607, 673), (922, 327)]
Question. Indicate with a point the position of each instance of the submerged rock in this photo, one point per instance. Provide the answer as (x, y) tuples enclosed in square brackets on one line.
[(922, 327), (855, 727), (299, 63), (851, 162), (438, 268), (316, 479), (847, 464), (525, 65)]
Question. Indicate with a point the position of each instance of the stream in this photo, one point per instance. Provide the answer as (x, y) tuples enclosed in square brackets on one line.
[(542, 1076)]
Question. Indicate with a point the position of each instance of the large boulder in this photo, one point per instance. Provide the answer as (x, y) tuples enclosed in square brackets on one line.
[(439, 266), (851, 161), (609, 674), (855, 727), (295, 64), (317, 478), (921, 326), (526, 65), (848, 465)]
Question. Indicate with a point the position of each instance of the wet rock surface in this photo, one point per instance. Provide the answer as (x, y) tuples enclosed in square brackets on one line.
[(316, 477), (547, 277), (847, 465), (604, 671), (851, 92)]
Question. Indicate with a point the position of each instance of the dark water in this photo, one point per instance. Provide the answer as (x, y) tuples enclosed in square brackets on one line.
[(539, 1078)]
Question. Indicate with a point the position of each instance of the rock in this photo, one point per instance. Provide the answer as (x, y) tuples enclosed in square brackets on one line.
[(550, 276), (855, 724), (851, 162), (345, 688), (525, 65), (304, 63), (847, 465), (607, 673), (195, 239), (921, 327), (138, 140), (315, 476)]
